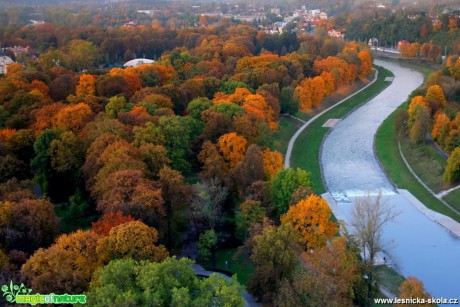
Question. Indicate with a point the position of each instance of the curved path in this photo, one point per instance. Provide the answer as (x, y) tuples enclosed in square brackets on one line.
[(415, 242)]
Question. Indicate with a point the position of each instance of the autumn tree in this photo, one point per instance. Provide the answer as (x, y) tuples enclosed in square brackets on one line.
[(273, 162), (452, 171), (274, 258), (232, 147), (92, 163), (413, 288), (311, 217), (366, 63), (117, 156), (66, 266), (420, 125), (214, 165), (129, 192), (51, 271), (441, 127), (131, 240), (29, 224), (155, 158), (73, 117), (112, 219), (86, 85), (328, 277), (435, 97)]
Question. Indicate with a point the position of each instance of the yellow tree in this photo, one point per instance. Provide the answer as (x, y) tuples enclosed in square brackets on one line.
[(86, 85), (441, 125), (328, 82), (317, 87), (413, 288), (366, 64), (73, 117), (303, 93), (273, 162), (311, 218), (133, 240), (81, 246), (337, 266), (435, 97), (232, 147)]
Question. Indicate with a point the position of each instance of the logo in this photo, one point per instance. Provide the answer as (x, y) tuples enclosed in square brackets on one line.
[(21, 295)]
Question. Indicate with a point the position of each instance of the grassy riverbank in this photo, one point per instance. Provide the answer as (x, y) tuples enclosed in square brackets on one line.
[(306, 151)]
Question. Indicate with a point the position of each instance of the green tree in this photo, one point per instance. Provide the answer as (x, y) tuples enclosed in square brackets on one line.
[(81, 54), (115, 105), (197, 106), (41, 163), (452, 171), (172, 282), (206, 245), (283, 185), (251, 212), (177, 140), (288, 102)]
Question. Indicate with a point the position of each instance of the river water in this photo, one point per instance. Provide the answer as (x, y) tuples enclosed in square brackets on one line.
[(417, 245)]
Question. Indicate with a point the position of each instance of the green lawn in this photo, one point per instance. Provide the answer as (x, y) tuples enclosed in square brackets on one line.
[(305, 153), (388, 155), (453, 199), (287, 127), (390, 279), (243, 268), (426, 163)]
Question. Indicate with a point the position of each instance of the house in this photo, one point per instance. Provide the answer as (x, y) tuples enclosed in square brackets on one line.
[(335, 33), (4, 62)]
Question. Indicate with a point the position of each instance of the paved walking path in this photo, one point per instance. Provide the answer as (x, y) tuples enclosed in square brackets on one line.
[(418, 241), (446, 192), (423, 183), (287, 158)]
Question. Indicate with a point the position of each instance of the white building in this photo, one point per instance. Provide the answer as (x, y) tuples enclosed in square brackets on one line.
[(4, 62), (138, 62)]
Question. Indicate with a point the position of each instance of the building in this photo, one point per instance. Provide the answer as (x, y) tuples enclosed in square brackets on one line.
[(4, 62), (138, 62), (335, 33)]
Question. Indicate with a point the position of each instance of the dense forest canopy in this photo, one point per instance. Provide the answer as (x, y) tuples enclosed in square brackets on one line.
[(108, 170)]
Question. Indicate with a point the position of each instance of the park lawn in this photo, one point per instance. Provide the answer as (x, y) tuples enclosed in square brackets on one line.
[(390, 279), (242, 267), (386, 145), (306, 151), (453, 199), (426, 163), (286, 129)]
